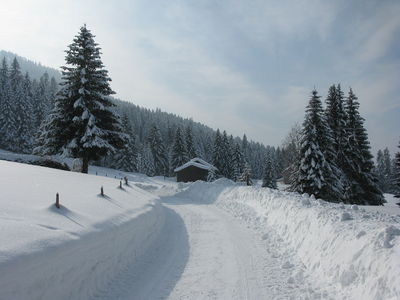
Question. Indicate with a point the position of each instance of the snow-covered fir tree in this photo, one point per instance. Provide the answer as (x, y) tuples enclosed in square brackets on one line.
[(145, 162), (246, 175), (245, 148), (41, 101), (384, 172), (217, 157), (190, 146), (397, 173), (7, 116), (82, 123), (22, 109), (225, 167), (237, 162), (333, 174), (51, 93), (28, 95), (336, 141), (363, 188), (125, 159), (336, 118), (314, 171), (179, 155), (269, 178), (158, 151)]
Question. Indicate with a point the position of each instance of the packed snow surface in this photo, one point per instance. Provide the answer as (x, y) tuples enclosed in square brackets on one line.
[(158, 239)]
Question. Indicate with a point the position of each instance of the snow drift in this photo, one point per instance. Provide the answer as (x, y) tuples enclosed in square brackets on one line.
[(353, 253), (73, 252)]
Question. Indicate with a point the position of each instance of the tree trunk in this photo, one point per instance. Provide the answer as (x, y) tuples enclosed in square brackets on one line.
[(85, 164)]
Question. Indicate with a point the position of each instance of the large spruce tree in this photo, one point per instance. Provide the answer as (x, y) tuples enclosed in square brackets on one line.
[(190, 146), (28, 115), (237, 162), (314, 172), (246, 175), (217, 155), (179, 155), (7, 110), (269, 178), (384, 172), (336, 117), (126, 158), (158, 151), (226, 167), (397, 173), (145, 161), (82, 123), (22, 109), (363, 184)]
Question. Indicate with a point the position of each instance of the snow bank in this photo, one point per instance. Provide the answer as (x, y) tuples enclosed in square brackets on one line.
[(353, 253), (73, 252), (34, 159)]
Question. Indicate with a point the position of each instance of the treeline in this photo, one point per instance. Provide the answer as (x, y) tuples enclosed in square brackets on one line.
[(334, 159), (160, 142), (24, 103)]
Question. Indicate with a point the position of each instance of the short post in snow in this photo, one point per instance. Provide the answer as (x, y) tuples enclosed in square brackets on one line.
[(120, 184), (96, 173), (126, 180), (57, 200), (102, 191)]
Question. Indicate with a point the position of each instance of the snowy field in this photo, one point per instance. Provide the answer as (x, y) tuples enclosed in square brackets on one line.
[(157, 239), (73, 251)]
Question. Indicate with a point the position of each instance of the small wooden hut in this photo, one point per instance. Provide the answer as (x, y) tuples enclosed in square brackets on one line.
[(195, 169)]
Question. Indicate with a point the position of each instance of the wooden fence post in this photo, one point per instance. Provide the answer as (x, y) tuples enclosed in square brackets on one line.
[(57, 200)]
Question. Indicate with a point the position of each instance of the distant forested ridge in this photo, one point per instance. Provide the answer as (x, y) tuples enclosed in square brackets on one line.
[(35, 69)]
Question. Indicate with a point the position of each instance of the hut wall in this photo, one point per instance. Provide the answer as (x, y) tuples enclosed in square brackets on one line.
[(191, 174)]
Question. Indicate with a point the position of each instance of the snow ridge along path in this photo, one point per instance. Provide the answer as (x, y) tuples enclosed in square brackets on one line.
[(347, 252)]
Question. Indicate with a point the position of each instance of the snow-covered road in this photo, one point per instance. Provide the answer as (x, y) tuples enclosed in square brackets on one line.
[(205, 253)]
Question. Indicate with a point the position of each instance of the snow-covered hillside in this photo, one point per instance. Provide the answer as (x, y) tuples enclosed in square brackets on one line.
[(68, 253), (158, 239)]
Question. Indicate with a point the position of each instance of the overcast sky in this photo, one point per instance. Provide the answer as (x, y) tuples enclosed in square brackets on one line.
[(244, 66)]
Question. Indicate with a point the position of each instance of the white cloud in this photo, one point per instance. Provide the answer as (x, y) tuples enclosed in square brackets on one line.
[(380, 32)]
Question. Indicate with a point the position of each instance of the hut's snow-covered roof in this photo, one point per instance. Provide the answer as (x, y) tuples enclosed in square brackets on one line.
[(197, 162)]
